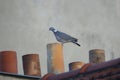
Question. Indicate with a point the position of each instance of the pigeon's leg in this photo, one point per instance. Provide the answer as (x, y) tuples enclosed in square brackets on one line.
[(62, 44)]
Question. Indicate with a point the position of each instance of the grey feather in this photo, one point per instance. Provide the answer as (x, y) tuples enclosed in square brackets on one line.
[(63, 37)]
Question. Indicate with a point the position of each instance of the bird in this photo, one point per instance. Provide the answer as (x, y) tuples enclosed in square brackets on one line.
[(63, 37)]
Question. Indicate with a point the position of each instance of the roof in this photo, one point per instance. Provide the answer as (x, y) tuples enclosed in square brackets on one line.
[(19, 76), (102, 71)]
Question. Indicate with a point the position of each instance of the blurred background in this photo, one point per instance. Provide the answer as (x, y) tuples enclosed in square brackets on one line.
[(24, 28)]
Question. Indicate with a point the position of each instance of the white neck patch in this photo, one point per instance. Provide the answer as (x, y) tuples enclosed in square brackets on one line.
[(55, 30)]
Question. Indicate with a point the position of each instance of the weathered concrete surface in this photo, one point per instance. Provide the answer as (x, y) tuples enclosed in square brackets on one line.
[(24, 27)]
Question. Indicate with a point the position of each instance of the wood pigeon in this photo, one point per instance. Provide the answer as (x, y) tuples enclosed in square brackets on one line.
[(63, 37)]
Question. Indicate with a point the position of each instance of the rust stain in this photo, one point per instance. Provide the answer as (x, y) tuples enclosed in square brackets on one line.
[(31, 65)]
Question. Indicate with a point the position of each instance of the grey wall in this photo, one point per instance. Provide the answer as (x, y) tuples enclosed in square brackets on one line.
[(24, 27)]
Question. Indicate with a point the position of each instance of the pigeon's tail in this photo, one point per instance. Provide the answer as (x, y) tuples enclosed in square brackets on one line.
[(76, 43)]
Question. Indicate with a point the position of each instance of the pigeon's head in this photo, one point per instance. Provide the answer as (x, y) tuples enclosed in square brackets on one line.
[(52, 29)]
